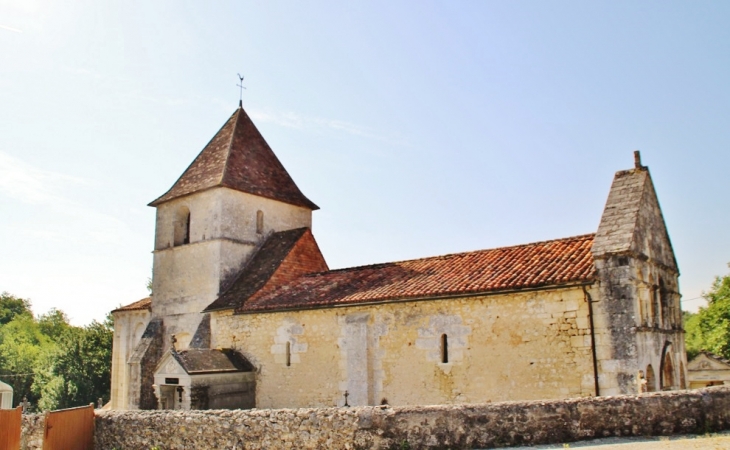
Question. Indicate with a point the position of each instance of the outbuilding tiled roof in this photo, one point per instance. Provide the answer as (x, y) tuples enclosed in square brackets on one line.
[(239, 158), (145, 303), (196, 361), (550, 263)]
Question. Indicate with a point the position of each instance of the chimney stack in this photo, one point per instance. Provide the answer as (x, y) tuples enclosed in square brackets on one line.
[(637, 160)]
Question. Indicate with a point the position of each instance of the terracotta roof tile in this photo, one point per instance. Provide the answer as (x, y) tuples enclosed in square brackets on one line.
[(549, 263), (145, 303), (239, 158), (284, 256)]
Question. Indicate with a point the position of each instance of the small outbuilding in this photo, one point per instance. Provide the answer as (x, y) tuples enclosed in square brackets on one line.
[(707, 369), (205, 379), (6, 396)]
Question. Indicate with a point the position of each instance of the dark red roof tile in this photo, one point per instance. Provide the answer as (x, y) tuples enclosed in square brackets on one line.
[(284, 256), (239, 158), (549, 263)]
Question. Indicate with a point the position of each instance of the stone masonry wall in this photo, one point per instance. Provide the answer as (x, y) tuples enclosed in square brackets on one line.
[(436, 427), (508, 346), (32, 429)]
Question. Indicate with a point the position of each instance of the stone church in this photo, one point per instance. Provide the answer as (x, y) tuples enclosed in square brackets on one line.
[(246, 313)]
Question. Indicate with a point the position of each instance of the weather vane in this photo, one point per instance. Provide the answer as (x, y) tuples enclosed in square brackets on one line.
[(240, 95)]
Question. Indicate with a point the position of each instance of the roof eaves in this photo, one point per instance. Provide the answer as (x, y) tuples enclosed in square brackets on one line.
[(143, 304), (404, 299)]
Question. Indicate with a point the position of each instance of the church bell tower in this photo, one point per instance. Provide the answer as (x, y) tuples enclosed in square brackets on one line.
[(211, 221)]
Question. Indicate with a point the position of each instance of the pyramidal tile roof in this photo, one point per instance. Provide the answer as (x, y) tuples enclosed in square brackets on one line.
[(558, 262), (238, 158)]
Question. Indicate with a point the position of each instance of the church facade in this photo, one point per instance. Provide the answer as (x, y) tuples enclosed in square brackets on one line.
[(246, 313)]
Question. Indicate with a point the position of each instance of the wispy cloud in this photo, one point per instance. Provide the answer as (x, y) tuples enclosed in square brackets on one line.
[(32, 185), (15, 30), (29, 184), (299, 122)]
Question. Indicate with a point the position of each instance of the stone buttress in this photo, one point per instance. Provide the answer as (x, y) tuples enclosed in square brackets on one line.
[(640, 341)]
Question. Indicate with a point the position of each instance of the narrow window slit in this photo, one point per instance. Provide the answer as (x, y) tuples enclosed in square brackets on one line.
[(444, 348), (186, 239), (181, 227), (288, 354), (259, 222)]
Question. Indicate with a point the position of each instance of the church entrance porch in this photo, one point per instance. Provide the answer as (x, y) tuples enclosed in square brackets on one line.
[(205, 379)]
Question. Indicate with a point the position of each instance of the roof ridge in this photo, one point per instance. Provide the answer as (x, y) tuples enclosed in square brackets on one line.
[(230, 145), (450, 255)]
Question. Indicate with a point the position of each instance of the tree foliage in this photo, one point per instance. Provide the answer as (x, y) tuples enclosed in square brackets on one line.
[(77, 371), (709, 329), (21, 344), (11, 306), (51, 362)]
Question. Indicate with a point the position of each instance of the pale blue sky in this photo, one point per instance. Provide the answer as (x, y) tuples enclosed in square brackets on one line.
[(419, 128)]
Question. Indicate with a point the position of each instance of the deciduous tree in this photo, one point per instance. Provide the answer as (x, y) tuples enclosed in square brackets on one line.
[(709, 329), (11, 306)]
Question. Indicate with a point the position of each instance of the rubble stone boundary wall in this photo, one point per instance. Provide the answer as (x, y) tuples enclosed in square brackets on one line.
[(417, 427), (32, 430)]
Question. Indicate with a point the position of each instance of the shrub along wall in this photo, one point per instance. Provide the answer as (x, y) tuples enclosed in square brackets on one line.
[(438, 427)]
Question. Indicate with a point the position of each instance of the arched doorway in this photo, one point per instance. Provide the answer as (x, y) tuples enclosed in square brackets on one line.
[(667, 376), (650, 379)]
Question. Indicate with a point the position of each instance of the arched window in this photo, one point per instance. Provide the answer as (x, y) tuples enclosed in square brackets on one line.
[(667, 371), (288, 354), (181, 226), (259, 222), (665, 301), (650, 379), (444, 348)]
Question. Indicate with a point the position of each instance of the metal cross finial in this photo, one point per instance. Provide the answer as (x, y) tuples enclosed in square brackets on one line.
[(240, 95), (347, 394)]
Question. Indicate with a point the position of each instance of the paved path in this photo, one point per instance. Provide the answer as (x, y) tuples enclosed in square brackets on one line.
[(720, 441)]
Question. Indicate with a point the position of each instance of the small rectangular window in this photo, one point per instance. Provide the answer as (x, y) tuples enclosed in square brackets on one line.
[(259, 222)]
